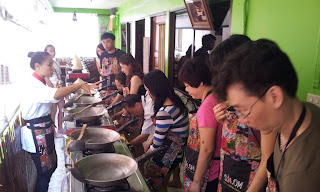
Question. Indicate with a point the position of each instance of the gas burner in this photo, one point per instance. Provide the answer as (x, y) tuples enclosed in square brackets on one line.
[(108, 149), (119, 187), (79, 123)]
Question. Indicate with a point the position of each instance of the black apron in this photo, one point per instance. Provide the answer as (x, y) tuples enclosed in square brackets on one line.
[(43, 137)]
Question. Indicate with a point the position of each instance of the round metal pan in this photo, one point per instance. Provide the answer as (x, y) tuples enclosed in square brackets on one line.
[(86, 100), (108, 169), (105, 169), (85, 93), (90, 115), (97, 138)]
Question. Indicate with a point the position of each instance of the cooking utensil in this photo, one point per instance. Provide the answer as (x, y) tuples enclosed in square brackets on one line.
[(115, 105), (97, 138), (85, 115), (91, 115), (86, 100), (70, 103), (78, 145), (106, 169), (70, 117)]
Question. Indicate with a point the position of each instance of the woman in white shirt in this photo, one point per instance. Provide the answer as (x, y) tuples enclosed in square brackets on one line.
[(53, 81), (37, 136)]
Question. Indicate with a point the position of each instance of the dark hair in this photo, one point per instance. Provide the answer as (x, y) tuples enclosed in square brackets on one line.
[(132, 99), (257, 66), (207, 38), (37, 57), (136, 69), (159, 86), (107, 36), (100, 46), (223, 49), (195, 71), (45, 49), (121, 77)]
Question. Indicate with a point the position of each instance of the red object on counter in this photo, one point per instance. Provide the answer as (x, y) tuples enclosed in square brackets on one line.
[(71, 77)]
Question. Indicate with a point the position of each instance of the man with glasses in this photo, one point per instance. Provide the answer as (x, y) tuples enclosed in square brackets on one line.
[(261, 83)]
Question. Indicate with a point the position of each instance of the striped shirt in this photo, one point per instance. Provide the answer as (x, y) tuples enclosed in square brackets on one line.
[(169, 118)]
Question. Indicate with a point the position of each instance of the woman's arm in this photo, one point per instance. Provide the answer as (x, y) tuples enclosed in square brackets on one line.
[(64, 91), (267, 146), (163, 122), (116, 100), (135, 83), (207, 145)]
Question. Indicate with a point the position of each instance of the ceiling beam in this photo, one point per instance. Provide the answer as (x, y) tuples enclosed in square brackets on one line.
[(81, 10)]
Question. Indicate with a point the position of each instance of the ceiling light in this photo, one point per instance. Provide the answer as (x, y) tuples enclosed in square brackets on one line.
[(74, 18)]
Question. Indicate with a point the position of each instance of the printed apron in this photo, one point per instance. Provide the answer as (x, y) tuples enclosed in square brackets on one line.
[(272, 183), (192, 153), (240, 156), (43, 137), (159, 165)]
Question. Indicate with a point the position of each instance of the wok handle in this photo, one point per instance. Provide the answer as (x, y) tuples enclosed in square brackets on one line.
[(152, 153), (82, 131), (127, 124), (109, 95), (103, 88), (115, 105)]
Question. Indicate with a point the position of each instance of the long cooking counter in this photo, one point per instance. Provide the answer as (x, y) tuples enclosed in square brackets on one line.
[(136, 180)]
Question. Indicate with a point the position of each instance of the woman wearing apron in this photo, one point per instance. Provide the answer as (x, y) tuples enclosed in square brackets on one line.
[(37, 136), (171, 129), (203, 146)]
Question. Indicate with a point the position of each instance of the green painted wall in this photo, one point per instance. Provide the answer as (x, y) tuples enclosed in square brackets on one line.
[(134, 10), (81, 10), (294, 25)]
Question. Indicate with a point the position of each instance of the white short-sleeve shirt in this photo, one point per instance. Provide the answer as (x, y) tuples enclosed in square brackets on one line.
[(36, 101), (147, 103)]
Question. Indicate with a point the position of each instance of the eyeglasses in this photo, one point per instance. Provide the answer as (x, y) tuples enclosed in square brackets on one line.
[(239, 114)]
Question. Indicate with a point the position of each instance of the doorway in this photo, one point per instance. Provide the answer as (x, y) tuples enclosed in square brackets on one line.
[(140, 28), (158, 42)]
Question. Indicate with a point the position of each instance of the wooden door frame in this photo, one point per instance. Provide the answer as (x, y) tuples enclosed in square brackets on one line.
[(153, 33)]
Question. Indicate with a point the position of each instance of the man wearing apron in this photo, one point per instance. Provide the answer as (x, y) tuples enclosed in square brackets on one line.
[(261, 83), (37, 137)]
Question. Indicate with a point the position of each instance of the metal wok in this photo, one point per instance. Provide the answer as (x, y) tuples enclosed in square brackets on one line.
[(97, 138), (86, 100), (107, 169), (90, 115)]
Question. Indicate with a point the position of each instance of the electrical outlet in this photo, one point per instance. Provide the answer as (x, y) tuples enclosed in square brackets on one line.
[(315, 99)]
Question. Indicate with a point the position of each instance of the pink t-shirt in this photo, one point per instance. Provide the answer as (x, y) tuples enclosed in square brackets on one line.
[(205, 118)]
